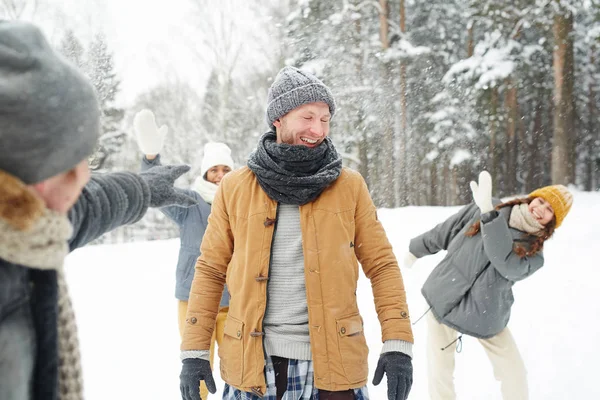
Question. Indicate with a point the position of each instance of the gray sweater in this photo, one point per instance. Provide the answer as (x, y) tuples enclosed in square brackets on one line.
[(470, 290), (286, 316)]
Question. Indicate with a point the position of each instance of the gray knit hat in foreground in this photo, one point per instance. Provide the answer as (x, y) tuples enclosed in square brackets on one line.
[(49, 114), (293, 88)]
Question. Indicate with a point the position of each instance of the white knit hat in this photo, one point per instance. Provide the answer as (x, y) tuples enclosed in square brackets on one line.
[(215, 154)]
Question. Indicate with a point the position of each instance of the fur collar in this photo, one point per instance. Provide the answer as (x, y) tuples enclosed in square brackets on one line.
[(19, 207), (31, 235)]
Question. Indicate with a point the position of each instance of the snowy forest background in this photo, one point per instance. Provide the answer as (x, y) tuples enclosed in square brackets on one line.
[(429, 92)]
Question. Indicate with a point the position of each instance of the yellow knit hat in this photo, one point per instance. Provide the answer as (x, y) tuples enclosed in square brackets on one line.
[(559, 198)]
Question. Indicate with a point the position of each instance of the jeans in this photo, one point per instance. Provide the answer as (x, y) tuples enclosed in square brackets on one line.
[(17, 354)]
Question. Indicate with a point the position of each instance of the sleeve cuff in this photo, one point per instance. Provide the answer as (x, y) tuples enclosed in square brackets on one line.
[(154, 162), (489, 216), (203, 354), (397, 345)]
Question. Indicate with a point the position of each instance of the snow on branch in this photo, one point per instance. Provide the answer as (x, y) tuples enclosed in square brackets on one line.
[(487, 67)]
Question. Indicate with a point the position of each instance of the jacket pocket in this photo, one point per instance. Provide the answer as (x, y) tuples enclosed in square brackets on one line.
[(231, 352), (353, 348)]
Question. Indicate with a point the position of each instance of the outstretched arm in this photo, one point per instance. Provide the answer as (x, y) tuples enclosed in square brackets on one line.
[(107, 202)]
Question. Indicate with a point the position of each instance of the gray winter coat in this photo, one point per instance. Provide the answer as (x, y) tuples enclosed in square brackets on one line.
[(192, 224), (471, 288)]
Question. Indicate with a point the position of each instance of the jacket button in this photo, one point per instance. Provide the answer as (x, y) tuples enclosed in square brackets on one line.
[(269, 222), (403, 314), (239, 333), (343, 330), (193, 320)]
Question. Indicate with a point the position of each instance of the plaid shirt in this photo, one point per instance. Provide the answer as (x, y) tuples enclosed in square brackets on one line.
[(300, 385)]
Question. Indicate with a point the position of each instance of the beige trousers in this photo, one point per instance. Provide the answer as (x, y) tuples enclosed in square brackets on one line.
[(501, 349), (217, 335)]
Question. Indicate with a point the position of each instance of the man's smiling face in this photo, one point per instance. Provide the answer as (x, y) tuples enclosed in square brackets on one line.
[(307, 125)]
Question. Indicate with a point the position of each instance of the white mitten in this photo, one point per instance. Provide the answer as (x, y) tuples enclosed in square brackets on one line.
[(149, 137), (409, 260), (482, 192)]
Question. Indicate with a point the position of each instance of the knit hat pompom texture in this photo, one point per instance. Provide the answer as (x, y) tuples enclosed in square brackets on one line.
[(293, 88), (49, 114), (559, 198)]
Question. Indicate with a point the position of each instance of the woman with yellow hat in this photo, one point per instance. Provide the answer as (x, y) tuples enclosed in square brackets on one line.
[(470, 290)]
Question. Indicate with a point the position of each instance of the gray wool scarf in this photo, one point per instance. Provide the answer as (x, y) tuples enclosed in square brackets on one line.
[(294, 174)]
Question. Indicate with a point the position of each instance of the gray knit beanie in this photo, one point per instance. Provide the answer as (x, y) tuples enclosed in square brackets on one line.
[(293, 88), (49, 114)]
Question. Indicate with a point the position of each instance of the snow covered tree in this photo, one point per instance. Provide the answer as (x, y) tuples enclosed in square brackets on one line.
[(99, 66), (72, 49)]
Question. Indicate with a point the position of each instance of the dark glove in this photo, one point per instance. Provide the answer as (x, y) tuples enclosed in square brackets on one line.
[(160, 181), (193, 371), (398, 367)]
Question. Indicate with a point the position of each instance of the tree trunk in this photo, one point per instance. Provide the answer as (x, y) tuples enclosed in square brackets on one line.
[(564, 113), (493, 152), (510, 100), (363, 143), (433, 185), (470, 38), (590, 179), (446, 184), (455, 187), (405, 188), (383, 24), (388, 182), (535, 148)]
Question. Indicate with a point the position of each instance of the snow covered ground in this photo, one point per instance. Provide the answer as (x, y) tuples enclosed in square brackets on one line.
[(123, 297)]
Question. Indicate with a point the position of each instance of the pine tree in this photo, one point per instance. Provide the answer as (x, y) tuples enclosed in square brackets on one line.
[(72, 49), (99, 67)]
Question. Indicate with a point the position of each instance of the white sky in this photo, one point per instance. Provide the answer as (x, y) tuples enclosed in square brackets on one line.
[(146, 38), (152, 41)]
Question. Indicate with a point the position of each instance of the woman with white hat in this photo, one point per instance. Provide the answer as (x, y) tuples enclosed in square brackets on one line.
[(192, 222)]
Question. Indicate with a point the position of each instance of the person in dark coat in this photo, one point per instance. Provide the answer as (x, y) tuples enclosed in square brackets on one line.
[(470, 291), (49, 206)]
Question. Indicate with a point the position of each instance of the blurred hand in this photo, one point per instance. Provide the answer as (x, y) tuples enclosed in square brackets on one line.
[(160, 180)]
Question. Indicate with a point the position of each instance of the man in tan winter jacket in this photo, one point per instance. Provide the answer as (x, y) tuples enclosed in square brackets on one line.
[(287, 234)]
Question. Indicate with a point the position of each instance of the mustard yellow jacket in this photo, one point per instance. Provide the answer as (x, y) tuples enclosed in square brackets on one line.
[(339, 230)]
